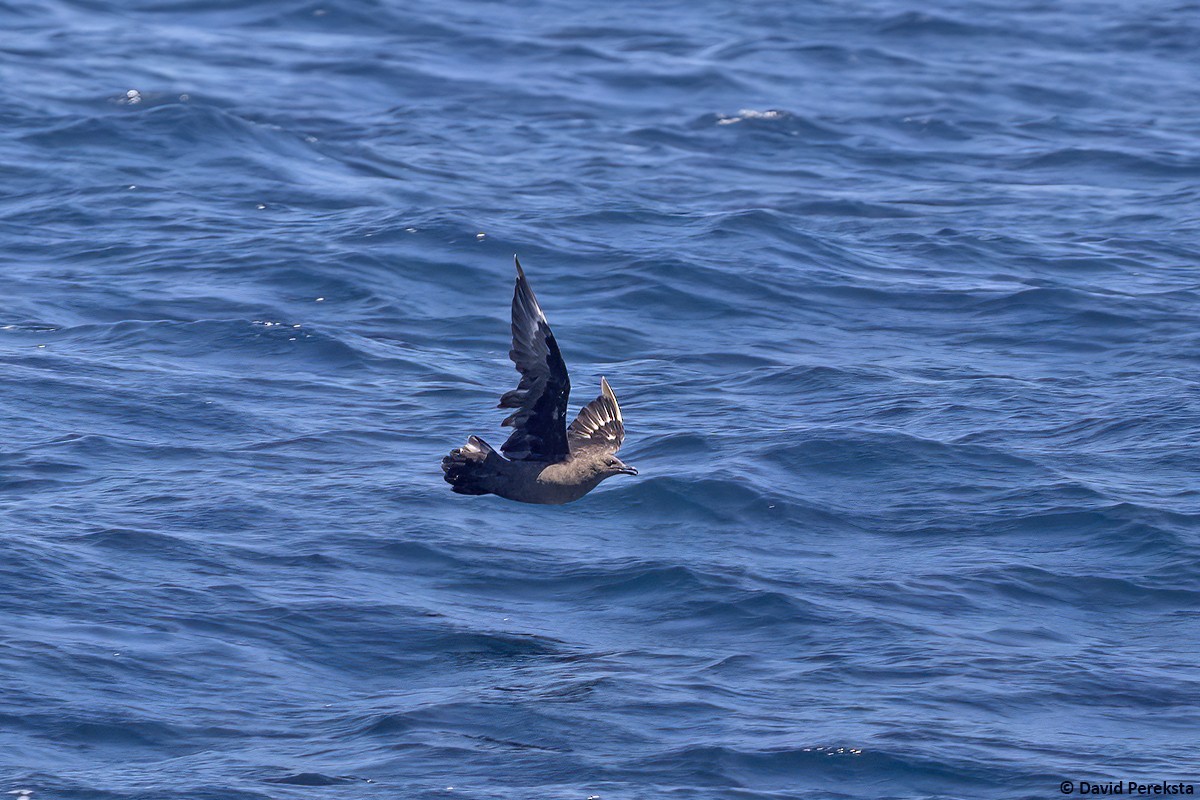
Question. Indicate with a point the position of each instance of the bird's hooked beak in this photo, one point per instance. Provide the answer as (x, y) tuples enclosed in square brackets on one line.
[(627, 470)]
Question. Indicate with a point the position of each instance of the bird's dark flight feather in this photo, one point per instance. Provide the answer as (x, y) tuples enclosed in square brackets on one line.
[(540, 420), (599, 424)]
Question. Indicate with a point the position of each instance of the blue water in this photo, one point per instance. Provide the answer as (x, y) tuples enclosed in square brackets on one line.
[(901, 300)]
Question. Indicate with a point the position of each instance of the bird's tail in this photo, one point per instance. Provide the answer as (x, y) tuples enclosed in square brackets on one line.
[(468, 466)]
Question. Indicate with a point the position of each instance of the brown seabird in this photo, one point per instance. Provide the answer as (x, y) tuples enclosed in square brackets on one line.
[(548, 461)]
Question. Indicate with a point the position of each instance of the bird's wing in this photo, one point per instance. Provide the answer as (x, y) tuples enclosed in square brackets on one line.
[(599, 423), (540, 420)]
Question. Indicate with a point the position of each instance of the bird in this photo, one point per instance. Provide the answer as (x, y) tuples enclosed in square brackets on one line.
[(548, 461)]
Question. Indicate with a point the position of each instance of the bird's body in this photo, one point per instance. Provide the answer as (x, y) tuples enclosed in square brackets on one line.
[(548, 461), (524, 481)]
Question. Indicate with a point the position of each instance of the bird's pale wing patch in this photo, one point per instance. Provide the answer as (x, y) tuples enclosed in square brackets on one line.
[(540, 399), (599, 424)]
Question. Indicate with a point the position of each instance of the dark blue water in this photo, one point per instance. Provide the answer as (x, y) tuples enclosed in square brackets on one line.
[(902, 303)]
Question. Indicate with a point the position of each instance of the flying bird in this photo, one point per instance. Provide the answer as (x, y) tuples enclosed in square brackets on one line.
[(547, 461)]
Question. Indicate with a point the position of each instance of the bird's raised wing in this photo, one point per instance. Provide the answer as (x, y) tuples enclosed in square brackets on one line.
[(540, 420), (599, 424)]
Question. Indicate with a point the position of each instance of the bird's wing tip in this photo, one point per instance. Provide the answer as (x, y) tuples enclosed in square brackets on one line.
[(606, 389)]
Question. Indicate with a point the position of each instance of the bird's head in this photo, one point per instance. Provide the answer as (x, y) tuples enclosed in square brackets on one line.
[(605, 465)]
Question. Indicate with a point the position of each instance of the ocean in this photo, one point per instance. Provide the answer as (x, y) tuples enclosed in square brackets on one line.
[(901, 302)]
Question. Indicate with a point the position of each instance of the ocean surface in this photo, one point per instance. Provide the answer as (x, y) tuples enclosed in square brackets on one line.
[(901, 301)]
